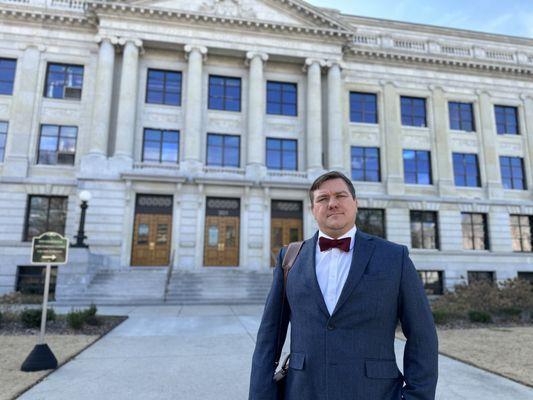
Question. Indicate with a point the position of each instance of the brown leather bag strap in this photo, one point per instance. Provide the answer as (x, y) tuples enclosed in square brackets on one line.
[(288, 260)]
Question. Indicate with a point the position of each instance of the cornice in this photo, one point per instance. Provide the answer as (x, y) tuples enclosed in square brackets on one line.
[(439, 61), (101, 7)]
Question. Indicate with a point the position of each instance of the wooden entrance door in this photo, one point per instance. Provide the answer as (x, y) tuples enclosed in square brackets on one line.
[(151, 240), (283, 232), (221, 246)]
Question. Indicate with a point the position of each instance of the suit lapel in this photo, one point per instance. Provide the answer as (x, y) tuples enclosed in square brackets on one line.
[(362, 252), (307, 262)]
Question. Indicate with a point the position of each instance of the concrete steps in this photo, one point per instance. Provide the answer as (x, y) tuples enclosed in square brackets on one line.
[(218, 287)]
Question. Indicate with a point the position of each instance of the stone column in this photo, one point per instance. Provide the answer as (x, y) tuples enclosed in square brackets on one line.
[(314, 117), (22, 112), (335, 118), (393, 150), (528, 136), (127, 100), (193, 109), (103, 96), (441, 150), (255, 166), (490, 158)]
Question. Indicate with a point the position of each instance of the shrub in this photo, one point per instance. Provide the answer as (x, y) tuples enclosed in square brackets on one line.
[(31, 318), (440, 316), (479, 316), (91, 311), (76, 319), (1, 318)]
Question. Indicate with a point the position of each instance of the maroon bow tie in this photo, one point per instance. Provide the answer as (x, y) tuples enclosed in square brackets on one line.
[(326, 244)]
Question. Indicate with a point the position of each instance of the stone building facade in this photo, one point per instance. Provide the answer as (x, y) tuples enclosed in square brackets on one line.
[(197, 127)]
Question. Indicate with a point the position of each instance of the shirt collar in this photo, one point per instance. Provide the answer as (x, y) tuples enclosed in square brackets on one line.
[(350, 234)]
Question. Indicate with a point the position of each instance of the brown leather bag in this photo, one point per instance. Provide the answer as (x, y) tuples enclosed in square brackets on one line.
[(288, 260)]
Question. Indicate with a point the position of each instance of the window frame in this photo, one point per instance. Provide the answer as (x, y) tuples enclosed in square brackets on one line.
[(162, 133), (282, 152), (505, 110), (423, 274), (47, 80), (416, 173), (470, 225), (59, 129), (521, 237), (408, 118), (25, 232), (512, 177), (459, 113), (4, 140), (470, 275), (224, 137), (224, 96), (281, 102), (464, 172), (381, 211), (363, 113), (423, 213), (11, 82), (164, 91), (365, 158)]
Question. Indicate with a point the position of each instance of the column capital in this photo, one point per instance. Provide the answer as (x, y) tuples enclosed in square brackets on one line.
[(253, 54), (434, 88), (526, 96), (479, 92), (310, 61), (332, 63), (384, 83), (189, 48), (111, 39), (25, 46)]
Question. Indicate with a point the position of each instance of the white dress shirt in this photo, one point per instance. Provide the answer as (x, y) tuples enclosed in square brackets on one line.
[(332, 267)]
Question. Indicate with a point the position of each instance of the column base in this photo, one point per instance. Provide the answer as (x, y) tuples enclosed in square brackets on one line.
[(256, 172), (395, 185), (16, 166), (315, 172), (120, 163), (191, 168), (494, 190), (446, 188)]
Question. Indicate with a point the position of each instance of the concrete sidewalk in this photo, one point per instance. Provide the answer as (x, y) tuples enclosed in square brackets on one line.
[(204, 353)]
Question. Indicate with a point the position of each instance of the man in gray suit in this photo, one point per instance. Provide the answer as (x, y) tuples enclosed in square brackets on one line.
[(345, 294)]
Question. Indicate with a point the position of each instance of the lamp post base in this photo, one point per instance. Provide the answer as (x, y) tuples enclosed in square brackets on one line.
[(40, 359)]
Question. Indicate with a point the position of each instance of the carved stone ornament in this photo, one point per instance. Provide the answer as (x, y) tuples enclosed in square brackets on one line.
[(227, 8)]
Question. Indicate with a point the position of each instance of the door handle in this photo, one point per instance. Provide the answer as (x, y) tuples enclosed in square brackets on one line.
[(221, 247), (152, 245)]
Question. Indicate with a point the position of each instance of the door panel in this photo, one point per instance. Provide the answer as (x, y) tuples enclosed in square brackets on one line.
[(283, 232), (221, 241), (151, 240)]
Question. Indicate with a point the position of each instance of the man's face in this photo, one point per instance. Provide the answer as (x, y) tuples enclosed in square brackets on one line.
[(334, 208)]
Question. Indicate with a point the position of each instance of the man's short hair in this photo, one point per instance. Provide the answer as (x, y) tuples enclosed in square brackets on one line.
[(328, 176)]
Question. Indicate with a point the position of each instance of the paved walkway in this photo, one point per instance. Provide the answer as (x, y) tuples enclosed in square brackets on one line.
[(204, 353)]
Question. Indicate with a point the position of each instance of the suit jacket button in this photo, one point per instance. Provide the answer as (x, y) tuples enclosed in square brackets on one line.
[(331, 327)]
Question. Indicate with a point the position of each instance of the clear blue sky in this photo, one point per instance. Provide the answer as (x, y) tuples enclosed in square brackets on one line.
[(508, 17)]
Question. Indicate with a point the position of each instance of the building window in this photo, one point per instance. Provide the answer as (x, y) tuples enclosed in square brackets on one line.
[(466, 170), (223, 150), (424, 232), (44, 214), (30, 279), (163, 87), (506, 120), (365, 164), (7, 75), (461, 116), (3, 139), (413, 111), (224, 93), (521, 232), (161, 146), (527, 276), (281, 154), (371, 220), (282, 98), (480, 276), (417, 167), (432, 281), (64, 81), (512, 169), (57, 144), (363, 108), (475, 233)]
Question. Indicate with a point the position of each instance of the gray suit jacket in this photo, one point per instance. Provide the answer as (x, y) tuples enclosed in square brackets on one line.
[(349, 355)]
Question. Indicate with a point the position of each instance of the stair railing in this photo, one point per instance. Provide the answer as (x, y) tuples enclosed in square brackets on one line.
[(169, 275)]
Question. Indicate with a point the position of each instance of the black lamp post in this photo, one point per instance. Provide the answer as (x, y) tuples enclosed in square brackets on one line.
[(84, 196)]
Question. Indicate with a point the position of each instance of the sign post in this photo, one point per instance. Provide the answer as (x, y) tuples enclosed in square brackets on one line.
[(47, 249)]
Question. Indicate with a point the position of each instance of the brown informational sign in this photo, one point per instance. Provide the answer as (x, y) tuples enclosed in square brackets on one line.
[(49, 248)]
